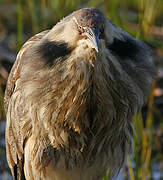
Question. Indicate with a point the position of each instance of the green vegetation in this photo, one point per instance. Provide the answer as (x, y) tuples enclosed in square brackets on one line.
[(20, 19)]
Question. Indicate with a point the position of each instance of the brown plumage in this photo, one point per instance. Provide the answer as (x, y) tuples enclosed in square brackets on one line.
[(70, 99)]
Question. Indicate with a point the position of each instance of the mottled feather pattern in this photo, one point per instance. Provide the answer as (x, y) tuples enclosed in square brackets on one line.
[(69, 108)]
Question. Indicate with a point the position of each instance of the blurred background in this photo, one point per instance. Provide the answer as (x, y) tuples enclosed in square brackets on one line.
[(20, 19)]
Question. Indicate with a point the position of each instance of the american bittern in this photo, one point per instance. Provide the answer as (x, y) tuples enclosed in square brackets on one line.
[(71, 96)]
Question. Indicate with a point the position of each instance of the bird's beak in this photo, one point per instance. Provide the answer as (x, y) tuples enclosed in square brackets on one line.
[(93, 36)]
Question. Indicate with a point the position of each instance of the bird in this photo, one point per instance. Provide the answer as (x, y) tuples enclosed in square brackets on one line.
[(71, 97)]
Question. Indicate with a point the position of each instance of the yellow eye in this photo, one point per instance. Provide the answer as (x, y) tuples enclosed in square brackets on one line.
[(80, 28)]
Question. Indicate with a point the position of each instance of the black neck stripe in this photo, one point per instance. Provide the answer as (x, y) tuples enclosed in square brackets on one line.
[(51, 51), (126, 48)]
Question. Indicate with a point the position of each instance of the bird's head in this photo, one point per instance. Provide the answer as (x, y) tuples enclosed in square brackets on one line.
[(86, 26), (90, 25)]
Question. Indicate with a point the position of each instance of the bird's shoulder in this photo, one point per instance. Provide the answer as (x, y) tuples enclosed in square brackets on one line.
[(15, 71)]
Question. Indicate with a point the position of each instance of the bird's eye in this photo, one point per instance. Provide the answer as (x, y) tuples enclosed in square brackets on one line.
[(80, 28)]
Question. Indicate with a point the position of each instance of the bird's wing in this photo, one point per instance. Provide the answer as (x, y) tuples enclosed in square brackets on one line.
[(15, 71), (18, 126)]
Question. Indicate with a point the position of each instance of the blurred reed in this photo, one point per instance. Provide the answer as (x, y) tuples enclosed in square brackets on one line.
[(19, 24), (2, 111)]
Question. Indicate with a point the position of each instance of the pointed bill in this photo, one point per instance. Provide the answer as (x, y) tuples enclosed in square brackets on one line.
[(93, 36)]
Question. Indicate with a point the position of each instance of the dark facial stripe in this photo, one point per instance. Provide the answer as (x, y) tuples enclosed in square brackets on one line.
[(126, 48), (52, 51)]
